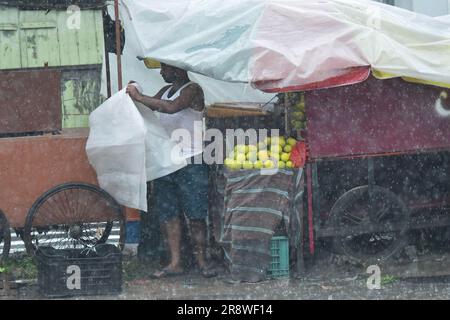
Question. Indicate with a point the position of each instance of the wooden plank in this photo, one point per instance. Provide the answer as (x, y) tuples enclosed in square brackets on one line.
[(39, 45), (68, 41), (81, 46), (247, 106), (99, 37), (75, 121), (68, 98), (229, 113), (87, 38), (38, 25), (9, 38)]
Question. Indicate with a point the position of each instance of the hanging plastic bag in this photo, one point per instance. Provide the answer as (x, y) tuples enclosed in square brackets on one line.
[(299, 154), (128, 147)]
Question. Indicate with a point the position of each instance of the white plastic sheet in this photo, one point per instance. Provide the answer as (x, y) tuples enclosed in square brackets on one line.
[(151, 80), (128, 147), (275, 44)]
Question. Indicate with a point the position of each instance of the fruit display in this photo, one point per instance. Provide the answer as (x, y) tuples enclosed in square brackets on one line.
[(297, 109), (294, 104), (271, 153)]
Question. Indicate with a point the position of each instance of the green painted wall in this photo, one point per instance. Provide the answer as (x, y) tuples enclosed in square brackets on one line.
[(31, 38), (80, 96), (34, 38)]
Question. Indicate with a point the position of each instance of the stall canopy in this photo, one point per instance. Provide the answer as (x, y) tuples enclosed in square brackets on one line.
[(286, 45)]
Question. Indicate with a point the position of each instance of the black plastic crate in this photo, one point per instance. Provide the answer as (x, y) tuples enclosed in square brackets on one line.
[(73, 272)]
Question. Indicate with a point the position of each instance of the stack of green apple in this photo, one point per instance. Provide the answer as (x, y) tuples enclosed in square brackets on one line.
[(271, 153), (298, 119)]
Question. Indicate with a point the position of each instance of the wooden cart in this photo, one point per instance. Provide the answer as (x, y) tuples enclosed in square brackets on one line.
[(50, 195), (378, 165)]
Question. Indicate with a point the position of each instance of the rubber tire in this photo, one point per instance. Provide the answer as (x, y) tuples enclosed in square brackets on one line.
[(365, 259), (30, 248)]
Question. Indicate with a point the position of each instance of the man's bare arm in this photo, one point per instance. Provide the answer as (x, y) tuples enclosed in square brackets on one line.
[(185, 100)]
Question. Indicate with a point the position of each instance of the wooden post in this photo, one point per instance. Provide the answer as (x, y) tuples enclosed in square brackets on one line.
[(118, 45), (107, 66)]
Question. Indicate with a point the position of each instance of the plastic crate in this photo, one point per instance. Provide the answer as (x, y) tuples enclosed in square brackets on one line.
[(73, 272), (279, 251)]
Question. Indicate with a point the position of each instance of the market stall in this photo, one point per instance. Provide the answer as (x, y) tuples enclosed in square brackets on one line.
[(332, 59)]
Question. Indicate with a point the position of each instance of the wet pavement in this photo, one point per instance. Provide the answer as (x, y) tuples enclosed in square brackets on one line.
[(194, 287), (328, 280)]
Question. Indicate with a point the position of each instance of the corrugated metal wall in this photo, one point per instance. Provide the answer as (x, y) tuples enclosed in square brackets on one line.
[(35, 38)]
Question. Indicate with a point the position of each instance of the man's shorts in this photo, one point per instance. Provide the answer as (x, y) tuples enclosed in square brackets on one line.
[(183, 191)]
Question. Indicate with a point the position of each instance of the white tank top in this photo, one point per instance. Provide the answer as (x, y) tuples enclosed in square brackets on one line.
[(188, 119)]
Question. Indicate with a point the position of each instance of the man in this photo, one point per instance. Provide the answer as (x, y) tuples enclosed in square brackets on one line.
[(185, 191)]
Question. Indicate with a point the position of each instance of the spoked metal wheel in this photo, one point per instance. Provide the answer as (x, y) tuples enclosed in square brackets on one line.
[(73, 215), (373, 223), (5, 237)]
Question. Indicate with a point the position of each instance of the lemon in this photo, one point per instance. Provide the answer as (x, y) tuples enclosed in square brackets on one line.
[(229, 162), (263, 155), (232, 155), (287, 148), (282, 141), (269, 164), (296, 124), (285, 156), (267, 141), (252, 156), (289, 164), (258, 164), (275, 148), (299, 115), (275, 140), (240, 157), (281, 164), (262, 146), (292, 142), (252, 148), (274, 155), (240, 148), (236, 165), (247, 165)]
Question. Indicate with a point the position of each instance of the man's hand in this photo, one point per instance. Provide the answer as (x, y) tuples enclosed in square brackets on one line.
[(133, 92), (445, 99)]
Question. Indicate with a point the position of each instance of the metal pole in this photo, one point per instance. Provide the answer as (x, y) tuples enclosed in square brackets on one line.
[(118, 45)]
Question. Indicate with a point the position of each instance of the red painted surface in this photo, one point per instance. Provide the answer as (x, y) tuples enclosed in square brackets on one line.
[(30, 100), (29, 166), (375, 117), (353, 76)]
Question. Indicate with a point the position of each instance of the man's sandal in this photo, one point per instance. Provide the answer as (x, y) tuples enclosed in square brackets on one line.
[(165, 273), (208, 272)]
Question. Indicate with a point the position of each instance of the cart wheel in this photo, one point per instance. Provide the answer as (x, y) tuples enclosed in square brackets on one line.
[(5, 236), (358, 208), (73, 215)]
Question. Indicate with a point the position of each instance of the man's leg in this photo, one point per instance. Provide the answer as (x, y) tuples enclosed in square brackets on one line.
[(193, 186), (173, 232), (198, 229), (168, 210)]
